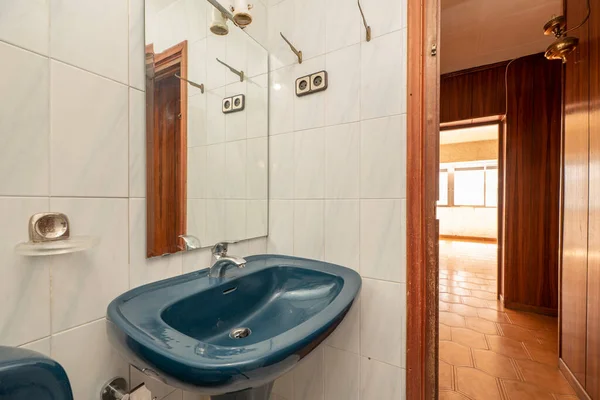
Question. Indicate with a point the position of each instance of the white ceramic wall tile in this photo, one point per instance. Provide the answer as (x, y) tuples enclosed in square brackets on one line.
[(343, 24), (308, 377), (256, 168), (194, 396), (258, 56), (84, 283), (25, 24), (342, 232), (216, 73), (196, 172), (257, 106), (89, 130), (25, 283), (342, 166), (347, 335), (141, 269), (235, 220), (381, 381), (258, 28), (174, 395), (343, 93), (92, 35), (382, 242), (196, 65), (309, 164), (309, 111), (383, 308), (384, 16), (235, 170), (281, 166), (215, 161), (41, 346), (256, 219), (281, 20), (215, 119), (281, 227), (237, 53), (196, 260), (158, 389), (196, 129), (137, 143), (382, 80), (308, 229), (383, 157), (215, 221), (88, 359), (309, 26), (341, 374), (284, 387), (137, 73), (196, 219), (281, 99), (24, 119), (257, 246), (181, 20)]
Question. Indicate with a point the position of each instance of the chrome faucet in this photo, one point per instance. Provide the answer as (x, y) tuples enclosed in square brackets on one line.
[(222, 261)]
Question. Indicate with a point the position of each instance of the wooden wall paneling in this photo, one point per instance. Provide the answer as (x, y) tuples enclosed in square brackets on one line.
[(532, 185), (575, 210), (593, 306), (488, 92), (455, 92)]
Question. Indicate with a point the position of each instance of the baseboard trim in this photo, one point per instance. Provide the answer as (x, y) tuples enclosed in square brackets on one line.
[(579, 390), (533, 309)]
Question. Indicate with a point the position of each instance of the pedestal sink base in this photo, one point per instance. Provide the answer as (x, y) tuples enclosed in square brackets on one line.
[(259, 393)]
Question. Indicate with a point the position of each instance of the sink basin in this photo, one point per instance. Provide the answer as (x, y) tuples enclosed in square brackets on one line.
[(236, 334)]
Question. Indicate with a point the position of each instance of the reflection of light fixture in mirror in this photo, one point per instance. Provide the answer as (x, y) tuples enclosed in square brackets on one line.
[(241, 13), (564, 44), (218, 25)]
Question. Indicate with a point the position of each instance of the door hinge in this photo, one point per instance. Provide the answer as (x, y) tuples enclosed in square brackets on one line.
[(434, 50)]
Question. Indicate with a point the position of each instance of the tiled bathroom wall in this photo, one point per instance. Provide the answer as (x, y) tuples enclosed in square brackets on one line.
[(72, 140), (338, 183)]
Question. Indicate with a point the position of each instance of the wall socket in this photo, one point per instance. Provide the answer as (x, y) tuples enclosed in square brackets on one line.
[(313, 83), (234, 104)]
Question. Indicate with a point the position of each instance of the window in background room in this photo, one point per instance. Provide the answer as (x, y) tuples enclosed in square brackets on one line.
[(443, 201)]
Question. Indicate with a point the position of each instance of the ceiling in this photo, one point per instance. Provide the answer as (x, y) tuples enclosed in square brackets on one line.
[(475, 134), (480, 32)]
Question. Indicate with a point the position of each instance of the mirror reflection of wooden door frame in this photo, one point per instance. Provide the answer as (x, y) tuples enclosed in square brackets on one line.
[(166, 173)]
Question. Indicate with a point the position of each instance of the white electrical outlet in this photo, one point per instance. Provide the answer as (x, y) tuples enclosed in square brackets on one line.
[(303, 86)]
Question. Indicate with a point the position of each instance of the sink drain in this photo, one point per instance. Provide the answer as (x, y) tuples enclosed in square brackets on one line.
[(240, 333)]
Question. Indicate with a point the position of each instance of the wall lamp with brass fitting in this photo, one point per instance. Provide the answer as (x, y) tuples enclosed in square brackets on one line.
[(367, 27), (194, 84), (235, 71), (564, 44), (298, 53)]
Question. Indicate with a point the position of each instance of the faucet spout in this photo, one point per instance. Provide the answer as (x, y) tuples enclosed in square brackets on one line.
[(223, 261)]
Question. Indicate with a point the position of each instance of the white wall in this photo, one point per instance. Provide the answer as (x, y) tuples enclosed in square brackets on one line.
[(72, 129), (72, 132), (479, 222), (338, 183)]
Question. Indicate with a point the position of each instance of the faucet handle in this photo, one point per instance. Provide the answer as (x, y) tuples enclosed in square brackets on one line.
[(220, 249)]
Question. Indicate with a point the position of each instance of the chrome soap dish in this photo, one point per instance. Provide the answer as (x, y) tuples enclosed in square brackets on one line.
[(49, 234)]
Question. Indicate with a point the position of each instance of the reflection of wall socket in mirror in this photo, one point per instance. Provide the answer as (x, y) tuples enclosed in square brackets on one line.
[(316, 82), (234, 104)]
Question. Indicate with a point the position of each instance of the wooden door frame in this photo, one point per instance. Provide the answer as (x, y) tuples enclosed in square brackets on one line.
[(169, 62), (422, 177)]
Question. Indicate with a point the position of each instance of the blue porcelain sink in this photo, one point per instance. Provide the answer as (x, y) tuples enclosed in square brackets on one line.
[(236, 334)]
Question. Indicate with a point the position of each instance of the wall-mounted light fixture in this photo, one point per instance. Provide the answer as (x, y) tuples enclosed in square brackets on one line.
[(564, 44), (218, 23), (235, 71), (241, 13), (298, 53), (367, 27)]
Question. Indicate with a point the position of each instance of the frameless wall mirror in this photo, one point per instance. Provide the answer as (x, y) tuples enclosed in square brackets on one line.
[(206, 125)]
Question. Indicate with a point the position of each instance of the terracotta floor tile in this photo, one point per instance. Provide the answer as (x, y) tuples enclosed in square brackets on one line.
[(446, 376), (542, 354), (492, 315), (569, 397), (443, 289), (452, 319), (444, 306), (464, 310), (518, 333), (524, 391), (469, 285), (474, 301), (455, 354), (544, 376), (476, 384), (450, 298), (447, 395), (481, 325), (495, 304), (482, 294), (469, 338), (494, 364), (445, 332), (533, 321), (459, 291), (507, 347)]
